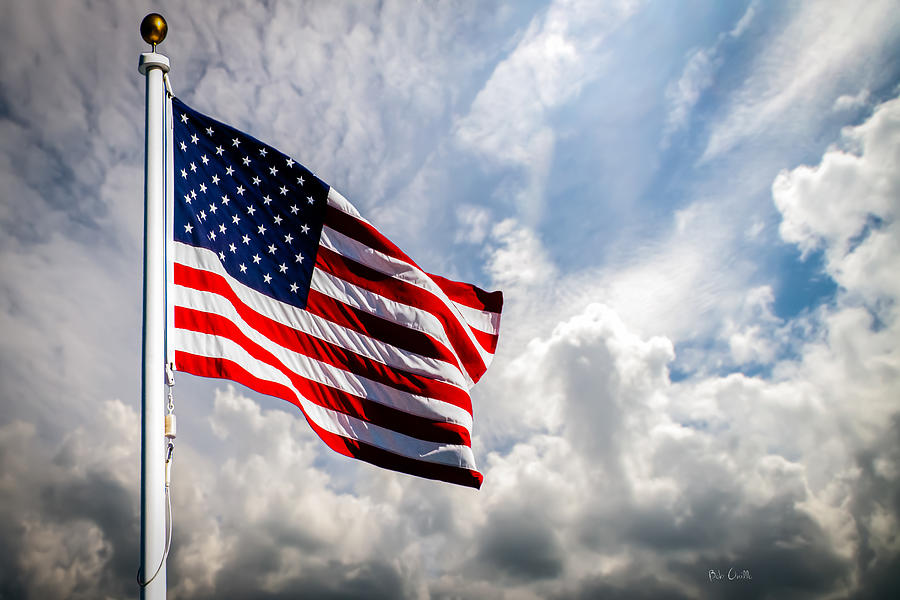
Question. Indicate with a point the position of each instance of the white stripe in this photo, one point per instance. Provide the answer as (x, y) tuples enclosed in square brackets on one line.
[(322, 372), (336, 200), (331, 421), (349, 339), (397, 269), (482, 320)]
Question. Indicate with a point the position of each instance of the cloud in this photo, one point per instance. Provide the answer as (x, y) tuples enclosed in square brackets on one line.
[(603, 476), (507, 123), (848, 102), (860, 235), (715, 472), (68, 512), (801, 71), (698, 76)]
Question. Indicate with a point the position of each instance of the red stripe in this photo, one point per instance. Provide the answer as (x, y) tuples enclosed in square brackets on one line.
[(323, 351), (221, 368), (401, 291), (364, 233), (488, 341), (403, 464), (226, 369), (469, 295), (366, 410)]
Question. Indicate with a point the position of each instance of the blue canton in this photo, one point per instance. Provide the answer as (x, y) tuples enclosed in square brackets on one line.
[(260, 211)]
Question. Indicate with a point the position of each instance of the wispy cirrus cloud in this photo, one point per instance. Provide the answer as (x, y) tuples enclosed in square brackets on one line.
[(698, 75)]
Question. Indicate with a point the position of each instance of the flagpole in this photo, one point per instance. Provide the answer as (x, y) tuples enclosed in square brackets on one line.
[(153, 500)]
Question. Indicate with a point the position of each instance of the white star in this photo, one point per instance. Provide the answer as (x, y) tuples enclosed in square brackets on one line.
[(246, 161), (272, 249), (283, 268), (300, 180), (235, 219), (184, 173), (183, 118), (203, 187), (187, 198), (188, 228), (250, 210), (222, 227), (221, 255), (310, 199), (262, 229), (243, 268), (294, 210), (193, 168), (294, 287), (225, 199), (290, 162), (283, 190), (240, 190), (213, 208), (288, 239), (229, 170), (304, 228), (212, 235), (194, 138), (215, 179), (220, 150), (256, 181), (273, 171), (202, 215), (204, 159), (246, 239), (209, 131), (193, 194), (256, 259), (235, 142), (299, 258), (262, 151), (277, 220), (266, 200), (233, 248), (268, 278), (183, 146)]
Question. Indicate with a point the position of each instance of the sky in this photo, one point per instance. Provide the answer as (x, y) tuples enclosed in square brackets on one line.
[(692, 209)]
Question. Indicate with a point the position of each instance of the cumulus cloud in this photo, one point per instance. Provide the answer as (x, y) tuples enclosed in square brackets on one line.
[(847, 205)]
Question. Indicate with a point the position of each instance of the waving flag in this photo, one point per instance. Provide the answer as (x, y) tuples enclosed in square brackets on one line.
[(281, 285)]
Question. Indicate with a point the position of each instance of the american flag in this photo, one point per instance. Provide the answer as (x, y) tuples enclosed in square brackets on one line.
[(279, 284)]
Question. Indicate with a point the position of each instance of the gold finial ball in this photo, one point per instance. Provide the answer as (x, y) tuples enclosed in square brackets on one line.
[(154, 28)]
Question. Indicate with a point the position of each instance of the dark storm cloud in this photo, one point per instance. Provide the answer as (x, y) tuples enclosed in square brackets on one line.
[(623, 587), (520, 545), (375, 580), (47, 503)]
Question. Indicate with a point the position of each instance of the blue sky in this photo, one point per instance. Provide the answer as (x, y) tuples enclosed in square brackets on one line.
[(692, 211)]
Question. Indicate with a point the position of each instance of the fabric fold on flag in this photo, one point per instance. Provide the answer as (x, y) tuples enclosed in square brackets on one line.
[(279, 284)]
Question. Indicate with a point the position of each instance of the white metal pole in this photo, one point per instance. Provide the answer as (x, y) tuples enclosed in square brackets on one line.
[(153, 499)]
